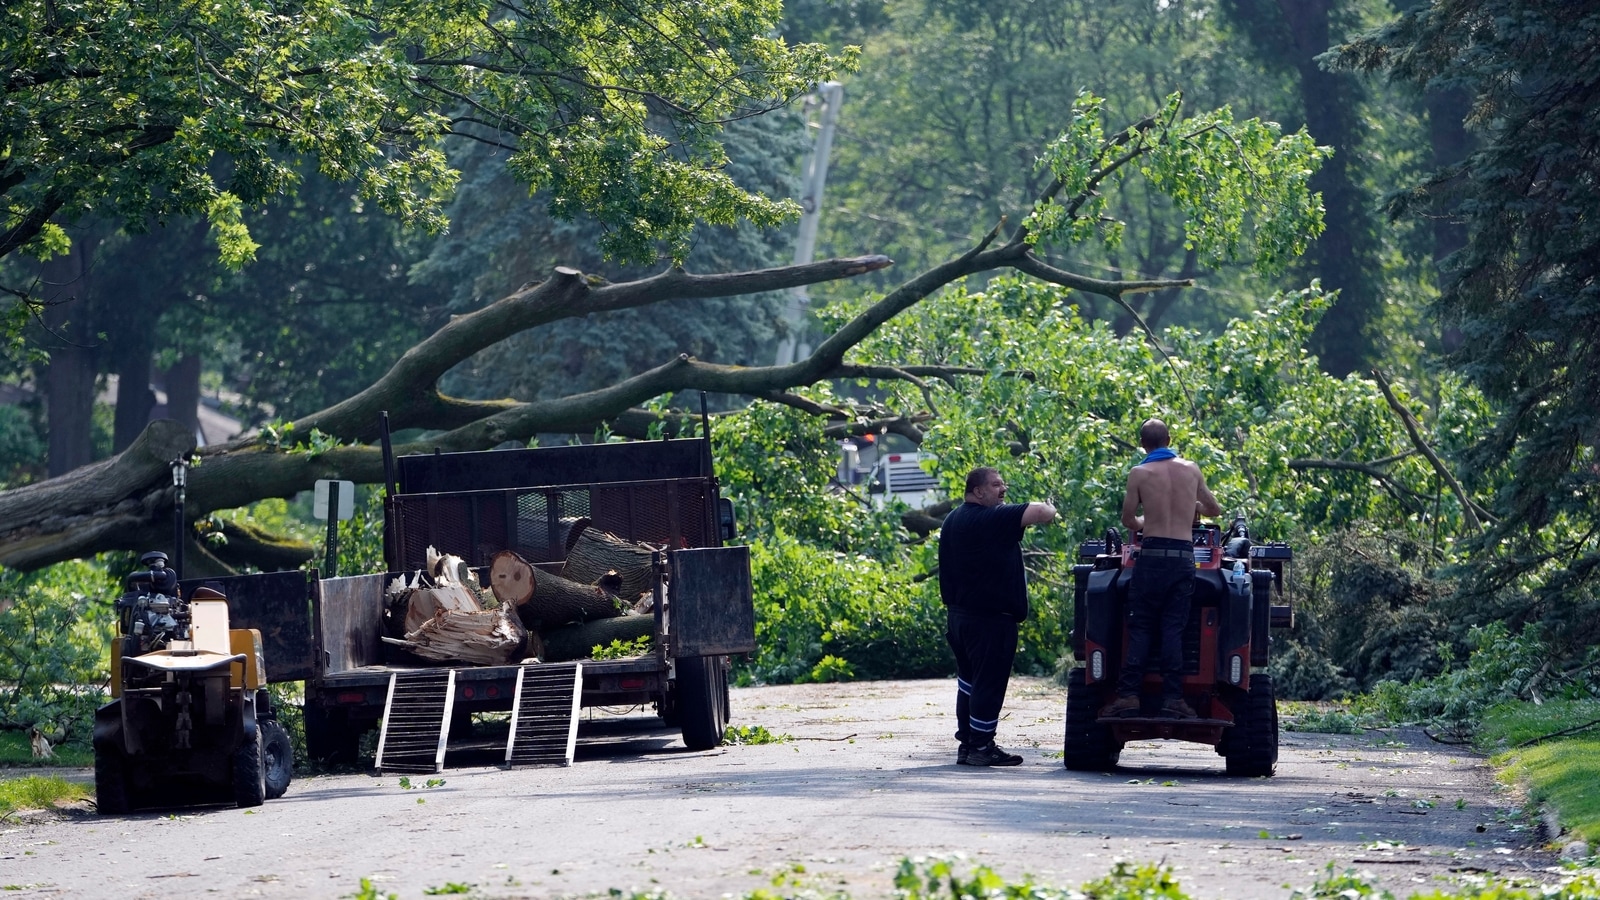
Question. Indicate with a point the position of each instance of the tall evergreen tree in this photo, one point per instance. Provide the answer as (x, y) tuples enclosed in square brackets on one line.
[(1525, 290)]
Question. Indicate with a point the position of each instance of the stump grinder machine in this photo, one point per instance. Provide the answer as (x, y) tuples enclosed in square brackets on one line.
[(1225, 652), (190, 720)]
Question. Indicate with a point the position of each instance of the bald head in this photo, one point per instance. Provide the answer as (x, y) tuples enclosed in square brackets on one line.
[(1153, 434)]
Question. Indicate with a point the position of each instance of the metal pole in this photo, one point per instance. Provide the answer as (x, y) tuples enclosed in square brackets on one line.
[(794, 346), (180, 481), (331, 560)]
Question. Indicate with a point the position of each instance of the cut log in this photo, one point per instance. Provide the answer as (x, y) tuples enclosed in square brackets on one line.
[(579, 641), (510, 577), (596, 553), (555, 601), (426, 603), (477, 637)]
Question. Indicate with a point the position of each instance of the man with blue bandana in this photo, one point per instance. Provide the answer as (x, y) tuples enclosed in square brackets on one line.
[(1173, 494), (985, 592)]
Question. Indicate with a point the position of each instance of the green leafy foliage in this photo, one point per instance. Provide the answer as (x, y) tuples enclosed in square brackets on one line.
[(55, 628), (621, 649), (1522, 290), (753, 734), (1502, 666)]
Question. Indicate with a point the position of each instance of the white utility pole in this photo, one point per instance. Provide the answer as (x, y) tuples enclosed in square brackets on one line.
[(795, 346)]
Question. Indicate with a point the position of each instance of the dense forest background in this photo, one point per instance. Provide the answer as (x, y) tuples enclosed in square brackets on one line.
[(1410, 400)]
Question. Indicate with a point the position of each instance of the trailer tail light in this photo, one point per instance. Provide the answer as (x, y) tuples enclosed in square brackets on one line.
[(351, 697), (1097, 665), (1235, 668), (631, 684)]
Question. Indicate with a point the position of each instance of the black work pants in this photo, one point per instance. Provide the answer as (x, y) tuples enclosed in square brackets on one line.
[(984, 647), (1158, 599)]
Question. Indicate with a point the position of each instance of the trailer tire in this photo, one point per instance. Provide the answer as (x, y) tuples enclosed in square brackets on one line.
[(111, 783), (249, 771), (1250, 747), (700, 701), (727, 711), (1088, 746), (278, 758)]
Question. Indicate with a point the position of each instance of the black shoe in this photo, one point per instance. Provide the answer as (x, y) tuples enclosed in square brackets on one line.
[(961, 755), (988, 754), (1125, 705), (1178, 709)]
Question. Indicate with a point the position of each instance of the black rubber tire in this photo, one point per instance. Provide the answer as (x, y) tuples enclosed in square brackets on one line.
[(1088, 747), (700, 701), (111, 796), (1250, 747), (249, 772), (278, 757)]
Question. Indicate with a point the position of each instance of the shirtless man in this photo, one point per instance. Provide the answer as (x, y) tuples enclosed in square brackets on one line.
[(1173, 494)]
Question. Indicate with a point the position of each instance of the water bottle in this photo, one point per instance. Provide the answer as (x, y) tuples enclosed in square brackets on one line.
[(1239, 577)]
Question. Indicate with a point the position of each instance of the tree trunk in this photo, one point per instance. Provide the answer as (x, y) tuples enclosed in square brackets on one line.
[(70, 377), (491, 637), (183, 392), (595, 554), (555, 601), (579, 641)]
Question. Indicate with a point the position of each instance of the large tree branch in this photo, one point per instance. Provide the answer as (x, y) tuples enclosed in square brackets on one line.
[(1468, 508)]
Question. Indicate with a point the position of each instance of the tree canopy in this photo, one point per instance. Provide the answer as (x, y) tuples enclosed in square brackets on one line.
[(1525, 289), (1244, 182), (129, 110)]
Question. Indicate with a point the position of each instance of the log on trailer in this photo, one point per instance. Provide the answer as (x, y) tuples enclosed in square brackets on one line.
[(596, 553), (579, 641), (544, 600), (492, 637)]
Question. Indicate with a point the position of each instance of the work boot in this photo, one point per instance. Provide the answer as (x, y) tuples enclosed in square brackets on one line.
[(988, 754), (1125, 705), (1176, 708)]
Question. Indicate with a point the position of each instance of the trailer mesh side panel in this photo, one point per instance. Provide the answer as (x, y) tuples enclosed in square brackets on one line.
[(536, 522)]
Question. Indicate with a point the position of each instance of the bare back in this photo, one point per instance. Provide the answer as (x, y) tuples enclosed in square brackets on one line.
[(1172, 492)]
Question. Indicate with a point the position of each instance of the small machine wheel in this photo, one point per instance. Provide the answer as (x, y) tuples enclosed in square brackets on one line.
[(1251, 745), (700, 701), (249, 772), (110, 782), (1088, 746), (278, 757)]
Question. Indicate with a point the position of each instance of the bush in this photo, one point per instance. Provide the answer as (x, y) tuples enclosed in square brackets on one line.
[(55, 629)]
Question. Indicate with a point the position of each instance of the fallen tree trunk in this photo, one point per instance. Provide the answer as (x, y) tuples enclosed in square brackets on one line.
[(579, 641), (595, 554)]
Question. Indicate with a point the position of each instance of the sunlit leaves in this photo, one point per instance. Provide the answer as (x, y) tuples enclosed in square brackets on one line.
[(1243, 187)]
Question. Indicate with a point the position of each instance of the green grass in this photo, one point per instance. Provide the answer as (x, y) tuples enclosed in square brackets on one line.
[(37, 792), (16, 749), (1561, 771)]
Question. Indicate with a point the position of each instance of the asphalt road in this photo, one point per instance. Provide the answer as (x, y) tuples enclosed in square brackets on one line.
[(869, 778)]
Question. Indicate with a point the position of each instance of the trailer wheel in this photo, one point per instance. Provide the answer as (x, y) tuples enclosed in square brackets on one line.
[(700, 701), (1088, 746), (278, 757), (110, 782), (249, 772), (1251, 745)]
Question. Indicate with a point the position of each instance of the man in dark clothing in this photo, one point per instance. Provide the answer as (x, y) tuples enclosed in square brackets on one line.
[(986, 595), (1173, 494)]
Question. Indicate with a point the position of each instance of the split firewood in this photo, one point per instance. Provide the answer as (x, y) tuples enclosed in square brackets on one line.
[(579, 641), (478, 637), (596, 553), (427, 602)]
